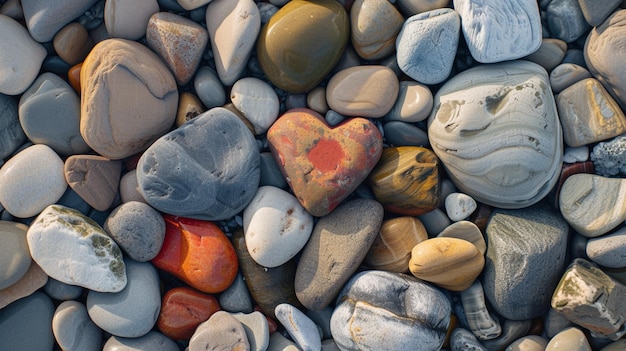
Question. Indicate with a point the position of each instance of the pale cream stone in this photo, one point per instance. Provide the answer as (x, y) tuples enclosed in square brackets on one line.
[(257, 101), (570, 339), (414, 103), (374, 26), (316, 100)]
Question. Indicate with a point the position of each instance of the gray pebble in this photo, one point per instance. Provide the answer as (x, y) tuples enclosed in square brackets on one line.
[(209, 87), (220, 332), (25, 324), (61, 291), (270, 173), (44, 18), (321, 318), (398, 133), (11, 133), (73, 330), (333, 118), (300, 327), (237, 297), (566, 20), (257, 329), (152, 341), (608, 250)]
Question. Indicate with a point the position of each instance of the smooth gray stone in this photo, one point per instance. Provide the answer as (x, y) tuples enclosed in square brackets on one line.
[(608, 250), (25, 324), (237, 297), (11, 133), (435, 221), (270, 172), (427, 44), (133, 311), (300, 327), (209, 87), (566, 20), (511, 331), (15, 256), (595, 12), (206, 169), (257, 329), (61, 291), (379, 310), (49, 112), (398, 133), (549, 54), (463, 340), (554, 322), (515, 279), (333, 118), (55, 65), (565, 75), (44, 18), (220, 332), (73, 330), (322, 319), (575, 56), (138, 229), (152, 341)]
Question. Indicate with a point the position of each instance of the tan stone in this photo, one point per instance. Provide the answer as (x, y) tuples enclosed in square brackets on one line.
[(72, 43), (128, 98), (94, 178), (374, 26), (316, 100), (33, 280), (189, 106)]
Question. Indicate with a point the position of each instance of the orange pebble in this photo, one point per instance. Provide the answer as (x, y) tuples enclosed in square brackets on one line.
[(182, 310), (73, 75)]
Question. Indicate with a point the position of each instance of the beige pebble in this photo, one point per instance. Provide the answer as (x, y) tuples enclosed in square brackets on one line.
[(94, 178), (528, 343), (549, 54), (128, 19), (467, 231), (72, 43), (316, 100), (129, 189), (374, 26), (414, 103)]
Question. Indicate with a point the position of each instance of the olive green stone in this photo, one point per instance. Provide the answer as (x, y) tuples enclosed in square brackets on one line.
[(302, 42)]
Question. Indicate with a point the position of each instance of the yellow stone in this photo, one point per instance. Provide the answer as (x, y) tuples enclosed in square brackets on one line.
[(450, 263), (391, 250)]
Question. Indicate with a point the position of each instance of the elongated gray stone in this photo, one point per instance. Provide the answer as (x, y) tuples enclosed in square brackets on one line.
[(73, 329), (300, 327), (45, 18)]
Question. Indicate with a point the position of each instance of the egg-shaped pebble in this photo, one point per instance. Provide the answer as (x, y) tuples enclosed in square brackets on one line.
[(459, 206), (528, 343), (566, 74), (73, 43), (276, 226), (374, 25), (183, 309), (31, 180), (209, 88), (237, 297), (569, 339), (73, 329), (257, 101), (549, 54), (44, 19), (565, 20), (300, 327), (14, 253), (576, 154), (61, 291)]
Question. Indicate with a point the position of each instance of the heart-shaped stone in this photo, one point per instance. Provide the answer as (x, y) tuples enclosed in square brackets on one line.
[(323, 164)]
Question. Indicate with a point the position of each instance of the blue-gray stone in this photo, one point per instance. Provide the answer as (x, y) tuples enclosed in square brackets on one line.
[(398, 133), (45, 18), (49, 112), (151, 341), (566, 20), (463, 340), (300, 327), (61, 291), (209, 87), (11, 133), (270, 172), (206, 169), (521, 245), (25, 325)]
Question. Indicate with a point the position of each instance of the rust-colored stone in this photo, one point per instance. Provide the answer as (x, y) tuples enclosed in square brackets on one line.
[(73, 76), (183, 309)]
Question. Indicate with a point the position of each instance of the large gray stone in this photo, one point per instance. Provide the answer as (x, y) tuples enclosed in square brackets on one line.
[(45, 18), (206, 169), (522, 244), (25, 324)]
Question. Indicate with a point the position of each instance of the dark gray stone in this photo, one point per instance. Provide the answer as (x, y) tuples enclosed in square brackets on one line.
[(270, 172), (566, 20), (25, 325), (44, 18), (11, 133), (595, 12), (398, 133), (206, 169), (525, 258)]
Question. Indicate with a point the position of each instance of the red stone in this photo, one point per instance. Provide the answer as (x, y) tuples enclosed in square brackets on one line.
[(198, 253), (323, 164), (183, 309)]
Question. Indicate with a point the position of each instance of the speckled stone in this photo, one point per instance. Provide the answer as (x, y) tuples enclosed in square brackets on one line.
[(25, 324), (206, 169), (323, 165), (11, 133), (31, 180), (257, 101), (300, 327), (94, 178), (221, 332), (74, 330), (44, 19), (74, 249), (128, 19), (179, 41), (14, 253), (608, 250), (114, 123), (337, 246), (515, 280), (374, 25), (566, 20), (389, 311), (151, 341), (73, 43)]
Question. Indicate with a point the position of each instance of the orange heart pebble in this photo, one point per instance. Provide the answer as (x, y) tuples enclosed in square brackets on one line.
[(198, 253), (182, 310), (450, 263)]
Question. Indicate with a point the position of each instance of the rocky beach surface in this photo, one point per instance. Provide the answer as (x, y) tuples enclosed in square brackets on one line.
[(312, 175)]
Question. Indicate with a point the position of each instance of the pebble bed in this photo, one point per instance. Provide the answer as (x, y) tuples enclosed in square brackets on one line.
[(312, 175)]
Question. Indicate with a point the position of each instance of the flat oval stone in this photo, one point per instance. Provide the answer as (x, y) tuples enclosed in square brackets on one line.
[(25, 324), (184, 254), (300, 327), (427, 45), (22, 57), (528, 343), (515, 34), (608, 250), (49, 113), (206, 169), (414, 103), (36, 171), (317, 36), (398, 133), (44, 19), (14, 253), (450, 263), (374, 26), (519, 160), (128, 19), (151, 341), (129, 189), (391, 250), (316, 100), (34, 279), (73, 329), (113, 123), (182, 310), (406, 180), (276, 226), (11, 133), (364, 91), (74, 249), (138, 229), (323, 165), (338, 245), (233, 27), (389, 311), (94, 178), (220, 332), (257, 101), (73, 43)]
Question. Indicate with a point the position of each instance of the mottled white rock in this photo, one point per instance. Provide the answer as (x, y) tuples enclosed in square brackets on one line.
[(128, 19), (571, 339), (276, 226), (496, 130), (592, 204), (300, 327), (31, 180), (233, 27), (608, 250), (257, 101), (257, 329), (45, 18), (414, 103), (459, 206), (500, 30), (427, 45), (129, 188), (20, 57), (74, 249), (73, 330), (576, 154)]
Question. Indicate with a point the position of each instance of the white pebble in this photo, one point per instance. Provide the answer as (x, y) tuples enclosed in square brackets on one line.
[(576, 154), (459, 206)]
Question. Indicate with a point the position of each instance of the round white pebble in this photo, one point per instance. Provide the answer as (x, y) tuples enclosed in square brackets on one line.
[(459, 206), (576, 154), (257, 101)]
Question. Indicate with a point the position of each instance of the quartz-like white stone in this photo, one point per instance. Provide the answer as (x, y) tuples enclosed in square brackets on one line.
[(257, 101)]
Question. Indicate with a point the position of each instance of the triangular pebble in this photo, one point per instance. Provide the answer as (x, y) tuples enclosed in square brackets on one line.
[(94, 178)]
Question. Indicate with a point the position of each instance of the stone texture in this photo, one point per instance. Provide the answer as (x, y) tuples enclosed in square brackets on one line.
[(73, 330), (337, 246), (179, 41), (49, 112), (151, 341), (414, 103), (593, 205), (483, 324), (206, 169), (74, 249), (31, 180), (516, 281), (364, 91), (257, 329), (459, 206), (73, 43), (515, 34), (519, 159), (374, 26), (128, 19), (389, 311), (323, 165), (596, 12), (11, 133), (182, 310), (14, 254), (21, 57), (316, 100), (406, 180), (257, 101), (318, 33), (566, 74), (427, 45), (233, 28), (608, 250), (24, 319), (221, 332), (463, 339), (114, 123), (549, 54), (94, 178), (566, 20), (34, 279), (281, 343), (44, 19)]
